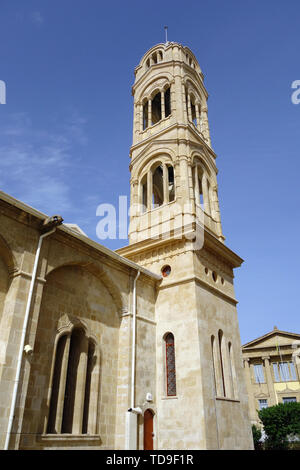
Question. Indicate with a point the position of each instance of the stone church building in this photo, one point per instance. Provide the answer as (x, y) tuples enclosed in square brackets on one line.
[(138, 348)]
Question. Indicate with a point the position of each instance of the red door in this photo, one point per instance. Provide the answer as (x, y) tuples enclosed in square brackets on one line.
[(148, 430)]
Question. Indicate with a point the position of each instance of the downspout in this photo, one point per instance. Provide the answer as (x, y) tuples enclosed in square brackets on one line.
[(133, 350), (57, 220), (132, 413)]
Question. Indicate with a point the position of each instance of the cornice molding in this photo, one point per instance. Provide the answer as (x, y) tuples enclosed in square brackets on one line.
[(153, 137), (204, 284), (212, 246)]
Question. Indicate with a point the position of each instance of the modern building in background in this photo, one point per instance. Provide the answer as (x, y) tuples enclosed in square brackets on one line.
[(272, 370), (139, 348)]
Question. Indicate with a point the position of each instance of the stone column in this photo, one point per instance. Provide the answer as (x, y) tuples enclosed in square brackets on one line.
[(205, 126), (198, 117), (141, 117), (189, 109), (176, 95), (215, 202), (149, 112), (197, 195), (269, 379), (62, 385), (184, 177), (80, 385), (191, 184), (252, 408), (149, 190), (206, 198), (93, 376), (134, 198), (10, 335), (165, 183), (162, 99), (136, 119), (184, 107), (217, 215)]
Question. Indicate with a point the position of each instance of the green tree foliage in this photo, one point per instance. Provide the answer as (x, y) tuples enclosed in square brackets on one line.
[(256, 433), (281, 423)]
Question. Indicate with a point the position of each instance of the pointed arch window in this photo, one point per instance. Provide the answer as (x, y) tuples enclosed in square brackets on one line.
[(170, 365)]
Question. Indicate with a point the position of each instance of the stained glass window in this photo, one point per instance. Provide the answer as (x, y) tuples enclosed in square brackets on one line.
[(170, 365)]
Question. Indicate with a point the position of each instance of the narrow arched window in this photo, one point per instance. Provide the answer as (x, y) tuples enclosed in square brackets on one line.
[(213, 363), (171, 183), (170, 365), (158, 187), (200, 193), (193, 111), (208, 201), (167, 102), (198, 177), (145, 115), (55, 412), (144, 194), (222, 358), (156, 108), (72, 385)]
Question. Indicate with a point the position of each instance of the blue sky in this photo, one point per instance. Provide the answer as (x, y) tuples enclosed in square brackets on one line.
[(66, 129)]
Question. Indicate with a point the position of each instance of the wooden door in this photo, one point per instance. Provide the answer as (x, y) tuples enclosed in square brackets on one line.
[(148, 430)]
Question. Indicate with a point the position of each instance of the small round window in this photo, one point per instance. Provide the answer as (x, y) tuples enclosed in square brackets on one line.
[(214, 276), (166, 271)]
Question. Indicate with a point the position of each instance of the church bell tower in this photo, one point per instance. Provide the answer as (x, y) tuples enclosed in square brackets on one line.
[(173, 170), (175, 230)]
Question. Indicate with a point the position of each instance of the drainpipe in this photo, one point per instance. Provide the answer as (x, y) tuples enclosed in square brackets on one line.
[(133, 339), (132, 413), (48, 223)]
